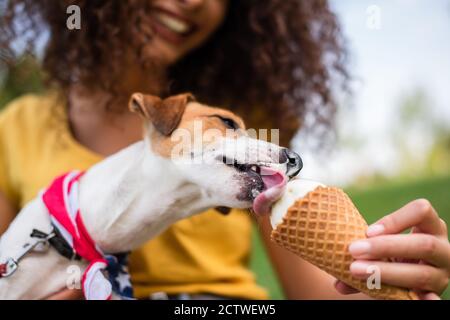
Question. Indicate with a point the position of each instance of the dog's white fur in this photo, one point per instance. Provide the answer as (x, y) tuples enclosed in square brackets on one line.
[(125, 200)]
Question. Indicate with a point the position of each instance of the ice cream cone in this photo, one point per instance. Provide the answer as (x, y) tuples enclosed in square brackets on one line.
[(319, 225)]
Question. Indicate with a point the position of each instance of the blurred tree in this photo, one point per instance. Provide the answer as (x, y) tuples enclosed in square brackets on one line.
[(16, 79), (438, 160), (421, 137)]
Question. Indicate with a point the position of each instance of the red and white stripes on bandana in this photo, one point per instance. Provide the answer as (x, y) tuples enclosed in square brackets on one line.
[(61, 200)]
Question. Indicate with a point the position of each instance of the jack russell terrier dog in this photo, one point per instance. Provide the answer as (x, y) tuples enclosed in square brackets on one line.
[(134, 195)]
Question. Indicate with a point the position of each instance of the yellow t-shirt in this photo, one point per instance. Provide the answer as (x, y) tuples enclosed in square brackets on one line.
[(207, 253)]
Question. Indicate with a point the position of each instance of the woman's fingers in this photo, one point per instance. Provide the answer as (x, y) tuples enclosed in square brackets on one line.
[(419, 213), (410, 246), (428, 296), (343, 288), (406, 275), (427, 244)]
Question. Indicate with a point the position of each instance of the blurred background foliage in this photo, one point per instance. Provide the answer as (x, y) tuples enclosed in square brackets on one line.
[(421, 139), (18, 78)]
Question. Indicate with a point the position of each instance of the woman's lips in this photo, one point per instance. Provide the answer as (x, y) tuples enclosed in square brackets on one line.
[(274, 186), (171, 27), (175, 24)]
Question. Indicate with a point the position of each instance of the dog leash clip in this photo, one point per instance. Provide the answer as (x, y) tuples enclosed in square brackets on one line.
[(8, 268), (39, 242)]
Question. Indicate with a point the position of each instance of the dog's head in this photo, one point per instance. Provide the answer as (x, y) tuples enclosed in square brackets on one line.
[(211, 148)]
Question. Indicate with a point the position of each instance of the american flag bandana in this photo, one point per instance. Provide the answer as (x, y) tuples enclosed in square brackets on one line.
[(61, 200), (119, 276)]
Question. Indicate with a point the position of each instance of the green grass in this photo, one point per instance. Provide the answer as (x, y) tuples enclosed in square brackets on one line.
[(373, 203)]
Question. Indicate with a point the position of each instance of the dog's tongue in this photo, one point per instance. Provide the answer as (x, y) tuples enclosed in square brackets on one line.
[(274, 183)]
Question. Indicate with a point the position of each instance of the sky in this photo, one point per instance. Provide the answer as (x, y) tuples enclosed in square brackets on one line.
[(396, 46)]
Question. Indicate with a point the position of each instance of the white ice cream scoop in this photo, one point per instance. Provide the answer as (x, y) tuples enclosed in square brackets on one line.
[(295, 189)]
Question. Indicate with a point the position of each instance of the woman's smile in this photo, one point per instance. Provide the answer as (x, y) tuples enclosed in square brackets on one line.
[(170, 26), (181, 26)]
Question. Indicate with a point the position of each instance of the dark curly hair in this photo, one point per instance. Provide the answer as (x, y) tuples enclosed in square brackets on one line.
[(271, 61)]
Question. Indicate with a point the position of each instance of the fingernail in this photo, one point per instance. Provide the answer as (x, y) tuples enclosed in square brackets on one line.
[(359, 268), (359, 247), (375, 230)]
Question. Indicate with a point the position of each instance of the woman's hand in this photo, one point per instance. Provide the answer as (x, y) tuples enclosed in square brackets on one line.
[(419, 260)]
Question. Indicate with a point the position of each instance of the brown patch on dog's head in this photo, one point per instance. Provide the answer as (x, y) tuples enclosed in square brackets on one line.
[(165, 115), (181, 112)]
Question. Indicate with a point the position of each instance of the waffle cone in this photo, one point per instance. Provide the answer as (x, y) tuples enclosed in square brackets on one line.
[(319, 228)]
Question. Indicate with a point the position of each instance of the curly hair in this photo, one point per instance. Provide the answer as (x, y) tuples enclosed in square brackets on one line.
[(274, 62)]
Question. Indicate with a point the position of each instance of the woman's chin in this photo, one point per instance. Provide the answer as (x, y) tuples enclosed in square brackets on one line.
[(166, 53)]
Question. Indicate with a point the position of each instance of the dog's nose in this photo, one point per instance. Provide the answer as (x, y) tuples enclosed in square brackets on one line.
[(293, 161)]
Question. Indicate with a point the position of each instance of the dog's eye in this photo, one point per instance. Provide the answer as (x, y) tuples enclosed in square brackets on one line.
[(229, 123)]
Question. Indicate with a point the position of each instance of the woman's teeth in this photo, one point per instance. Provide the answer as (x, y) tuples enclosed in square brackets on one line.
[(172, 23)]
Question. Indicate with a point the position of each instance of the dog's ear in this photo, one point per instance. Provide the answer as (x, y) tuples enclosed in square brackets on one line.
[(144, 104), (165, 115), (174, 109)]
